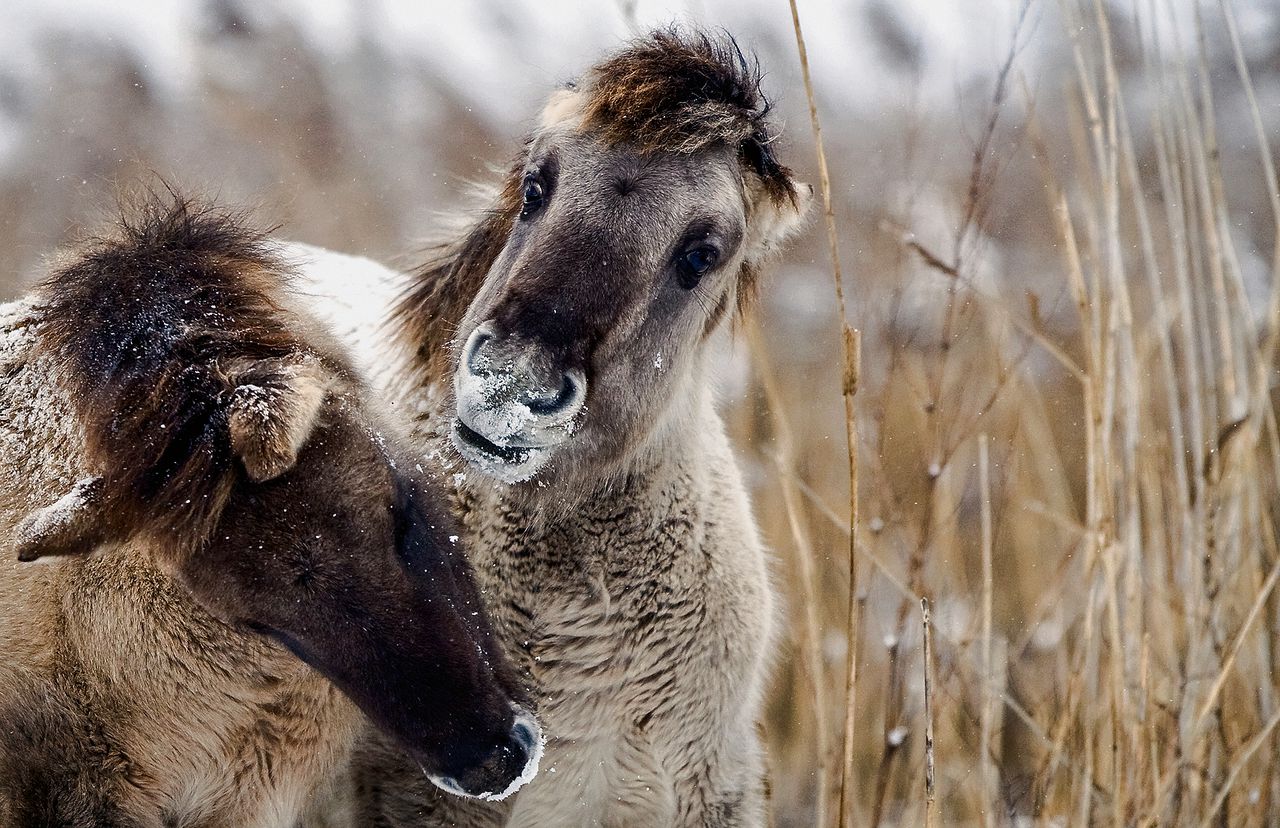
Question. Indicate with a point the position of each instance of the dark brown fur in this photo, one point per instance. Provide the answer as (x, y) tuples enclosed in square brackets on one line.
[(154, 327), (685, 92), (678, 92)]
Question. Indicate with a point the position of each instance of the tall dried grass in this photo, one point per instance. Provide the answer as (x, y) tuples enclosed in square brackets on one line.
[(1082, 484), (1084, 510)]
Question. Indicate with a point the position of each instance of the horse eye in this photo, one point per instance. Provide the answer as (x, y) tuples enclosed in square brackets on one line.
[(694, 263), (533, 196)]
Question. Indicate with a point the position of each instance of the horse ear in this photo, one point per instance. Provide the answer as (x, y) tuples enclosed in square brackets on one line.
[(73, 525), (272, 413), (774, 219)]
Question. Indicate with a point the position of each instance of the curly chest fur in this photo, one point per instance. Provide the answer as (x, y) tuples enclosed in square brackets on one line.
[(601, 605), (640, 621)]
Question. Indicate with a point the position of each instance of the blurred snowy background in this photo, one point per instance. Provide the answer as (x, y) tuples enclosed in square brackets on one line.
[(351, 124), (354, 124)]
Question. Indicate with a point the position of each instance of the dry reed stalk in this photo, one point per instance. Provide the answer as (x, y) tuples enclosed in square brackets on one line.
[(1085, 781), (991, 303), (1152, 759), (839, 524), (1122, 390), (853, 627), (1141, 375), (1271, 342), (1211, 697), (1135, 630), (986, 772), (1204, 142), (930, 802), (1207, 635), (1199, 638), (1161, 321), (1087, 295), (1173, 148), (894, 731), (1241, 760), (1172, 387), (887, 572), (851, 343), (1201, 718), (999, 688), (1164, 142), (1234, 306), (942, 449), (1268, 646)]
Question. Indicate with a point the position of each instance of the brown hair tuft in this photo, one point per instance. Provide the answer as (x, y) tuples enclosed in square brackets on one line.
[(676, 92), (150, 327)]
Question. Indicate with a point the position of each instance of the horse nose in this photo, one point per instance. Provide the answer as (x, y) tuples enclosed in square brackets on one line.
[(510, 370), (506, 769)]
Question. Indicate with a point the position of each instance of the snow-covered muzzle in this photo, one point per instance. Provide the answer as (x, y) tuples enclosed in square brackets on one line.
[(515, 405)]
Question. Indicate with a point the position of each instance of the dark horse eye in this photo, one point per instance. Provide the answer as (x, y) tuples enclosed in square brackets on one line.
[(534, 195), (693, 264)]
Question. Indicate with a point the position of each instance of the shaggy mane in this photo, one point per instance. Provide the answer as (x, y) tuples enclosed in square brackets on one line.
[(673, 92), (426, 315), (146, 326)]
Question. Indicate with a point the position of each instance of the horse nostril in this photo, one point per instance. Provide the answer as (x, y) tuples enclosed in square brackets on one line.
[(472, 358), (523, 734), (569, 396)]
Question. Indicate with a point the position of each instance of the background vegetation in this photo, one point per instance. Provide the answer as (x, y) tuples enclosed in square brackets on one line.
[(1059, 227)]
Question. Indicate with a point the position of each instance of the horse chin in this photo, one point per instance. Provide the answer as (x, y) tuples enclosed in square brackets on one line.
[(508, 464)]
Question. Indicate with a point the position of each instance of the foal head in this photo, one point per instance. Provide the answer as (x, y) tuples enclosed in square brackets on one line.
[(233, 443), (632, 225)]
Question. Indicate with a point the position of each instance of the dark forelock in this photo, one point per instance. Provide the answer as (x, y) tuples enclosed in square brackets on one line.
[(684, 92)]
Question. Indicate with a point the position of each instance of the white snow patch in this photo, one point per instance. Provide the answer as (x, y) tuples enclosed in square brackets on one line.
[(526, 463), (56, 517), (498, 421), (253, 400)]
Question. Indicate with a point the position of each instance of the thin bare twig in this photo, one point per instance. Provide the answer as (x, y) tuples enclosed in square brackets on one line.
[(811, 663), (852, 354), (986, 771), (930, 801)]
